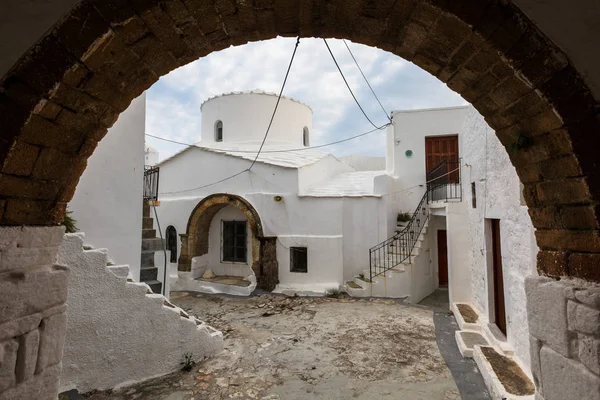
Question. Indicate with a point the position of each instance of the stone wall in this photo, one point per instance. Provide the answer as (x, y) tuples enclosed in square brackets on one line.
[(564, 327), (118, 331), (33, 292)]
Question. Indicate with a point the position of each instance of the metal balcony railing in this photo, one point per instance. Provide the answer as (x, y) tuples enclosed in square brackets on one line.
[(443, 181), (151, 183)]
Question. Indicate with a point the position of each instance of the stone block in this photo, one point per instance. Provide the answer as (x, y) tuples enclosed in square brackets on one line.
[(583, 318), (20, 326), (23, 258), (547, 312), (46, 287), (589, 353), (21, 159), (535, 346), (53, 332), (8, 362), (27, 355), (585, 266), (563, 378), (43, 387), (589, 297)]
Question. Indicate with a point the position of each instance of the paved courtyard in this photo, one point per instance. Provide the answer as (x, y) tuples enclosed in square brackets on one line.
[(308, 348)]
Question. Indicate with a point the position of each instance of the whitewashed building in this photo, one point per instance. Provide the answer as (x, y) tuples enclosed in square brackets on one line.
[(443, 209), (477, 238), (297, 220)]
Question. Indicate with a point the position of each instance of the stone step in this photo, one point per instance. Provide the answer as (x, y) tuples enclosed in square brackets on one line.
[(156, 286), (147, 259), (155, 244), (148, 274), (146, 210), (147, 223), (148, 233)]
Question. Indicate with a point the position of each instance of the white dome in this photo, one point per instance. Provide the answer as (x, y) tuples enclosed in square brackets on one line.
[(244, 116)]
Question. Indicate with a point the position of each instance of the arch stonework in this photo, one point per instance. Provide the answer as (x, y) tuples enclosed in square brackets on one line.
[(264, 257), (59, 100)]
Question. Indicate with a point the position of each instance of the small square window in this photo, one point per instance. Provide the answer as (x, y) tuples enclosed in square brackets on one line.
[(298, 259), (473, 195)]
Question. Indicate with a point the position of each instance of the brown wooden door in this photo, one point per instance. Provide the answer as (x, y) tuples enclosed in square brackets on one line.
[(442, 246), (499, 307), (438, 149)]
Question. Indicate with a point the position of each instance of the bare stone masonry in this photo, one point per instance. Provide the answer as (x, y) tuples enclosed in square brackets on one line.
[(564, 323), (33, 292)]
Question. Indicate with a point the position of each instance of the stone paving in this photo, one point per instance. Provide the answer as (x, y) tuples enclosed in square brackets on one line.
[(308, 348)]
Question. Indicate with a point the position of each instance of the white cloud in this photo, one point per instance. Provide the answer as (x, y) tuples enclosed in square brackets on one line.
[(174, 102)]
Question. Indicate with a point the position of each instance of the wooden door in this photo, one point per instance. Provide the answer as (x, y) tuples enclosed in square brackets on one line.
[(442, 247), (438, 149), (499, 306)]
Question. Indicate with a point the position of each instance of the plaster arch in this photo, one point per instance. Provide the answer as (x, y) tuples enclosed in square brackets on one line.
[(58, 100), (196, 240)]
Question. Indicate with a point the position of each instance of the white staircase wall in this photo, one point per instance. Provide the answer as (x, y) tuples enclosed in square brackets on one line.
[(424, 272), (118, 332), (459, 256)]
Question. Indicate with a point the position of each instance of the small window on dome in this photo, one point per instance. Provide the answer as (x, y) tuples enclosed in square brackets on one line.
[(305, 137), (219, 131)]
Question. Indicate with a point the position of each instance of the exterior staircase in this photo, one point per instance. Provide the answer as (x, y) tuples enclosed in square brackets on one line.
[(150, 245), (396, 281), (391, 261)]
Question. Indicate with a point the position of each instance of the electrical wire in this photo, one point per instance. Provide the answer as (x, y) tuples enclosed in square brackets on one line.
[(272, 151), (276, 104), (207, 185), (350, 89), (366, 80), (264, 139)]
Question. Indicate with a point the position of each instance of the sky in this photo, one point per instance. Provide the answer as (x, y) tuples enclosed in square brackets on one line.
[(173, 103)]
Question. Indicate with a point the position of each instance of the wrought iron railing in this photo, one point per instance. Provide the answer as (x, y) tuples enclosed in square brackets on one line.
[(398, 248), (443, 181), (151, 183)]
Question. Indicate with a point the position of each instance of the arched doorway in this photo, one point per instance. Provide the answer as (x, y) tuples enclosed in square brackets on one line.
[(261, 250), (171, 238)]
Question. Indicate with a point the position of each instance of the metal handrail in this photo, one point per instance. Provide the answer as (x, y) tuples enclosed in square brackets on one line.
[(443, 183), (398, 248)]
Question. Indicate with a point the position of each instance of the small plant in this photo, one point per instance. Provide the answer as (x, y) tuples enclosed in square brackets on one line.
[(188, 363), (333, 293), (403, 217), (69, 223), (363, 278)]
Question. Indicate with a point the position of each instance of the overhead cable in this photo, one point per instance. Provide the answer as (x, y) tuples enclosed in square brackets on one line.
[(271, 151), (366, 80), (350, 89), (276, 104)]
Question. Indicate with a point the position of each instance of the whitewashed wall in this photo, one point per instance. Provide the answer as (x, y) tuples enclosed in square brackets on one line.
[(324, 262), (245, 117), (108, 201), (117, 333), (410, 128), (364, 225), (321, 171), (498, 197)]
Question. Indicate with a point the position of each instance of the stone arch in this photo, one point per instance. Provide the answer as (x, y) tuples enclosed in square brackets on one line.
[(264, 260), (59, 100)]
